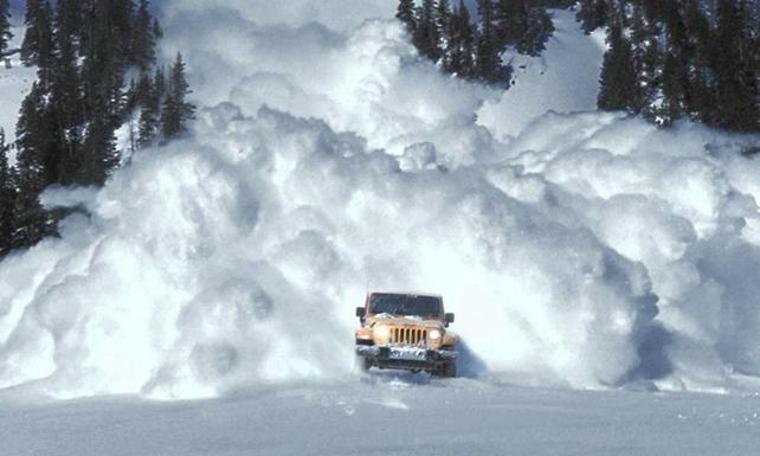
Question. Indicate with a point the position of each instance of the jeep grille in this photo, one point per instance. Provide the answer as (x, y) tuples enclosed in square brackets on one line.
[(408, 336)]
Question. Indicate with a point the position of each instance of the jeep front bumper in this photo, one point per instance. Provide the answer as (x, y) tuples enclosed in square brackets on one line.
[(405, 357)]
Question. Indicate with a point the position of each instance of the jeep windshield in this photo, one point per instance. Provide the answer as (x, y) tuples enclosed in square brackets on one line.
[(407, 305)]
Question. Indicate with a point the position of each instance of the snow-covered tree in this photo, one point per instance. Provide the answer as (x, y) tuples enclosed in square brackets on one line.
[(406, 14), (462, 43), (426, 37), (647, 57), (617, 89), (443, 21), (177, 111)]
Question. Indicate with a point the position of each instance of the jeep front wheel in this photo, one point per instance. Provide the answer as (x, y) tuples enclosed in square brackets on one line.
[(447, 369), (363, 364)]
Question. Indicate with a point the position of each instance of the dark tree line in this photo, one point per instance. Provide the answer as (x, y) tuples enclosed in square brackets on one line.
[(65, 133), (5, 25), (161, 100), (448, 36), (675, 59), (666, 60), (7, 195)]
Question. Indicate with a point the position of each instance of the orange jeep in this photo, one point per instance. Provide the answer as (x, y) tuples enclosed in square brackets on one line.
[(406, 331)]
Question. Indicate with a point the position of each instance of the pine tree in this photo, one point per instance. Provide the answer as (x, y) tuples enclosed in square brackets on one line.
[(177, 112), (523, 24), (690, 59), (462, 44), (120, 14), (538, 28), (29, 45), (406, 14), (617, 90), (159, 83), (7, 197), (157, 32), (5, 25), (675, 68), (106, 36), (443, 29), (647, 58), (510, 18), (37, 47), (426, 37), (140, 92), (4, 147), (66, 126), (737, 88), (146, 127), (67, 107), (99, 154), (36, 169), (689, 37), (102, 72), (36, 137), (674, 90), (68, 21), (143, 40), (151, 96), (66, 94), (593, 14), (655, 10), (30, 223), (489, 65)]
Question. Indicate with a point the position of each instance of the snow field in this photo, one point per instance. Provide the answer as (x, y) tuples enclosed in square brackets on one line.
[(388, 415)]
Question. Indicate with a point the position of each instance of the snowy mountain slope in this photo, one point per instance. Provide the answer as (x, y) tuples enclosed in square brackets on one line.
[(565, 78), (586, 250)]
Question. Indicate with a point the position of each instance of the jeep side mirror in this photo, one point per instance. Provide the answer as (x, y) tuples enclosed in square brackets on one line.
[(361, 312), (449, 318)]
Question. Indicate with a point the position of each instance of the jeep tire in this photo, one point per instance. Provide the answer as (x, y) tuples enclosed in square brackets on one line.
[(363, 364), (448, 369)]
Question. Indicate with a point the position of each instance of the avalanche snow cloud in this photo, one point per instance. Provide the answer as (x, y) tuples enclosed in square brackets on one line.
[(586, 250)]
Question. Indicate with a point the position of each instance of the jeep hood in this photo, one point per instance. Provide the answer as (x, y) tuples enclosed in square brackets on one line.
[(393, 320)]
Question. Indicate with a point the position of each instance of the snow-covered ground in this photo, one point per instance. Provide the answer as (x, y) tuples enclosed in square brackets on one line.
[(580, 251), (387, 416)]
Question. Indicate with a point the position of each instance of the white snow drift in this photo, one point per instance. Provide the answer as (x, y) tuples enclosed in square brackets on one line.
[(580, 249)]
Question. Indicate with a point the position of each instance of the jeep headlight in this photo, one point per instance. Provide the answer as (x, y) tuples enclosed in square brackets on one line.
[(435, 334), (382, 333)]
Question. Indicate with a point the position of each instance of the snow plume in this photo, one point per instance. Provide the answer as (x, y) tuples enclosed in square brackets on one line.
[(585, 250)]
